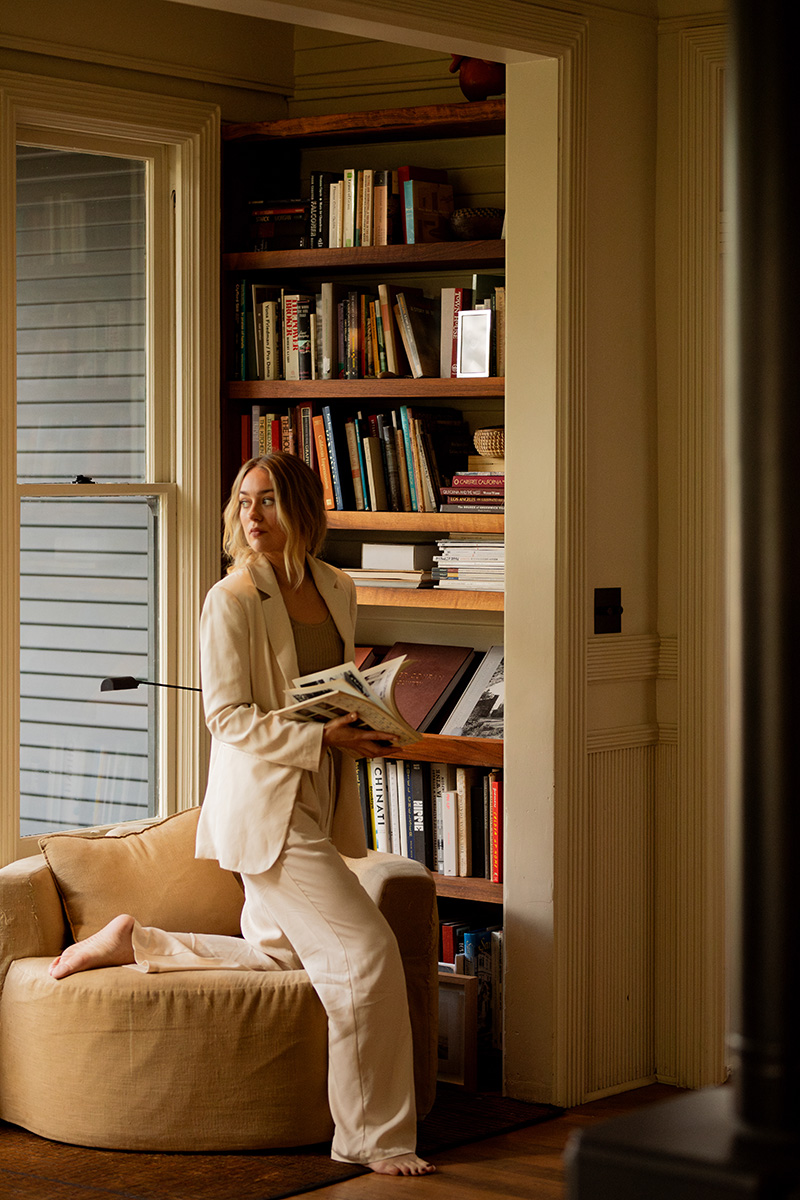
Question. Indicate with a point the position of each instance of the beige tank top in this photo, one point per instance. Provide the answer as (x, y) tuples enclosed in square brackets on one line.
[(318, 646)]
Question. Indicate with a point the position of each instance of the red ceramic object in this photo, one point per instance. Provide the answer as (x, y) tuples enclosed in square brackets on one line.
[(479, 78)]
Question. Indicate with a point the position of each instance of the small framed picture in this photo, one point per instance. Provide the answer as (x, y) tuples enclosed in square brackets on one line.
[(474, 343), (458, 1029)]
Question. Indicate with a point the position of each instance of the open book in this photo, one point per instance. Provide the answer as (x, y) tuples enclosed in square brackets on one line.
[(336, 691)]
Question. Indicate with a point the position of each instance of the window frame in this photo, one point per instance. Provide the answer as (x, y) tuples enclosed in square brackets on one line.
[(180, 142)]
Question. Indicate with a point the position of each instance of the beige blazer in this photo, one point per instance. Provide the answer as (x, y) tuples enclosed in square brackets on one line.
[(260, 759)]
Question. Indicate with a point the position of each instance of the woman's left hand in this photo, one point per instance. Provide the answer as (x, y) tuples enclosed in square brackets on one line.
[(361, 743)]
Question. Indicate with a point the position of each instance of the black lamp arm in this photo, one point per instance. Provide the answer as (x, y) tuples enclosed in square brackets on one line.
[(123, 683)]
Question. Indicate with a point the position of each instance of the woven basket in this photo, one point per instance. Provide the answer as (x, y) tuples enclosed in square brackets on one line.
[(491, 443)]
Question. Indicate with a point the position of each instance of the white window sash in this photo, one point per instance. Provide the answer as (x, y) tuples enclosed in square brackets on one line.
[(180, 138)]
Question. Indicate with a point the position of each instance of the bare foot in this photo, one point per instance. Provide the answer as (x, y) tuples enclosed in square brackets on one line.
[(402, 1164), (111, 946)]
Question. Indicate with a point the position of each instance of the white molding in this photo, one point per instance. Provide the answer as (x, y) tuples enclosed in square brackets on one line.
[(616, 656), (690, 969), (142, 65), (623, 737)]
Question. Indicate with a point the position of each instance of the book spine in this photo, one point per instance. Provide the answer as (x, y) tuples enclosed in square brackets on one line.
[(321, 444), (379, 808), (363, 798), (380, 208), (408, 211), (335, 466), (355, 470), (496, 827), (291, 357), (407, 336), (396, 841), (392, 473), (420, 805), (463, 788), (368, 188), (303, 338), (360, 429), (402, 466), (450, 832), (305, 416), (349, 208), (406, 417)]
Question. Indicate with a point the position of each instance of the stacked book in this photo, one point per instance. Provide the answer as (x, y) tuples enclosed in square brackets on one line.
[(394, 564), (475, 491), (471, 562)]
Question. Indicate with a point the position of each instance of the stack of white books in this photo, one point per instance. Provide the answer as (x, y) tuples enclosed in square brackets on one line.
[(394, 564), (471, 562)]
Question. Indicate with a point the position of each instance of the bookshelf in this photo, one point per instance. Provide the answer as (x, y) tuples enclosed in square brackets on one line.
[(285, 141)]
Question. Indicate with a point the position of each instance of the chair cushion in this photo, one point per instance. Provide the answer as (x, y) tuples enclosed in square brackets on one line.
[(184, 1060), (150, 872)]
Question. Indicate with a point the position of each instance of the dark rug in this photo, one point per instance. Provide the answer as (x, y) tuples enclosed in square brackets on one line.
[(32, 1168)]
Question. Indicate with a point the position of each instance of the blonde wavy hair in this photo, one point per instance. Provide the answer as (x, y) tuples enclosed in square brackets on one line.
[(299, 509)]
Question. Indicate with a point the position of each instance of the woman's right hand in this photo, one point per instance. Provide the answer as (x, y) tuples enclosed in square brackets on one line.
[(361, 743)]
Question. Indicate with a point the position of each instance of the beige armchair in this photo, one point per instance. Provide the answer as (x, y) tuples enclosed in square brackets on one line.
[(185, 1060)]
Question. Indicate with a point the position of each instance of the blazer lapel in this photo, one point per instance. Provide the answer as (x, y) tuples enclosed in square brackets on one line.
[(277, 625), (338, 603)]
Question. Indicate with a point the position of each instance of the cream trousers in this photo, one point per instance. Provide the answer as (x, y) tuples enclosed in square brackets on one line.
[(310, 911)]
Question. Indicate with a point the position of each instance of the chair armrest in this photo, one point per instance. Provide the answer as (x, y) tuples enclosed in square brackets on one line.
[(405, 893), (31, 916)]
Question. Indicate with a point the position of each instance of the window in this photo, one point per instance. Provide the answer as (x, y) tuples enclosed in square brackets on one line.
[(88, 586), (116, 452)]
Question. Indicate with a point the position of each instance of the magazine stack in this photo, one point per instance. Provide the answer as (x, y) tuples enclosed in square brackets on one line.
[(471, 562)]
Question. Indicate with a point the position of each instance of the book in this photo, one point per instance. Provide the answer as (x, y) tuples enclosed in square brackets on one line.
[(418, 807), (431, 676), (418, 321), (338, 458), (325, 695), (373, 457), (396, 358), (397, 828), (368, 656), (404, 173), (296, 346), (428, 207), (443, 776), (349, 189), (450, 832), (323, 462), (452, 300), (465, 779), (479, 710), (398, 555), (320, 207), (385, 578), (495, 827), (380, 814), (385, 208)]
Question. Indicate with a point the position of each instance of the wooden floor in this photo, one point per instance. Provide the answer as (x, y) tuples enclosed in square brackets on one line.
[(526, 1164)]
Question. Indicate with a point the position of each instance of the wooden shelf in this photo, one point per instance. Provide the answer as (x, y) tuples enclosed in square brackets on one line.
[(463, 751), (464, 119), (465, 888), (405, 522), (359, 391), (440, 256), (439, 598)]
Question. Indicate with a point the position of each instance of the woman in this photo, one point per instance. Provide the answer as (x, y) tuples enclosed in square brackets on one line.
[(282, 806)]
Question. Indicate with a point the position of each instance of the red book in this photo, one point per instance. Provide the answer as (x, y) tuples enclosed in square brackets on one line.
[(463, 479), (496, 827)]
